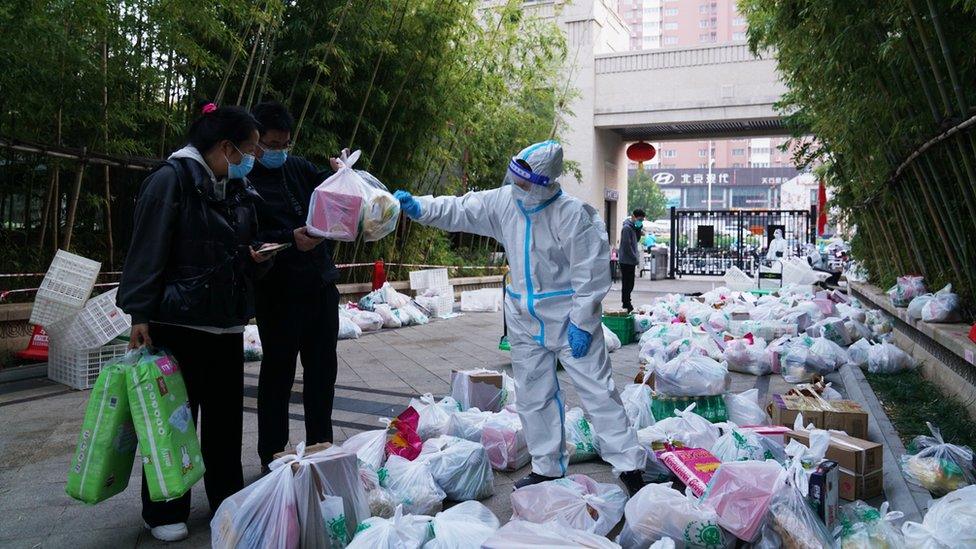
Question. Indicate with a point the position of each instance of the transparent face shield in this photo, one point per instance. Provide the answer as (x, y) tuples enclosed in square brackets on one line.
[(529, 187)]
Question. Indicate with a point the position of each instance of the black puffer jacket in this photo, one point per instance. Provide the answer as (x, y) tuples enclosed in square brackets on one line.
[(188, 262)]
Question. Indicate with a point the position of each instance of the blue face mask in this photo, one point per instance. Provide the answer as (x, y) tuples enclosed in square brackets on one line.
[(241, 169), (639, 224), (273, 158)]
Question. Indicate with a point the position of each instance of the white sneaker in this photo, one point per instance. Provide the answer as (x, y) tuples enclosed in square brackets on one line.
[(169, 532)]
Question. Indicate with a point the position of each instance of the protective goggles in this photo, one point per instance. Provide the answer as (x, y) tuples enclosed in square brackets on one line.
[(524, 173)]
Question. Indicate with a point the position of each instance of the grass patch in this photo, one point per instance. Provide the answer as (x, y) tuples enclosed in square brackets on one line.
[(910, 400)]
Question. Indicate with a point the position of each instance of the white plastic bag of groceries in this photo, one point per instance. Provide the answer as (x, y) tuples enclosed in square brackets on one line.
[(347, 328), (551, 535), (613, 342), (351, 203), (465, 526), (434, 415), (637, 405), (381, 211), (691, 375), (581, 444), (413, 485), (403, 531), (504, 439), (687, 427), (577, 501), (459, 467), (888, 358), (468, 424), (744, 408), (658, 511), (949, 522), (263, 514), (943, 307)]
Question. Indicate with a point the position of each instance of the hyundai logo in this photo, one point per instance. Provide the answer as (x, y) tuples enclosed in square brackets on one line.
[(663, 178)]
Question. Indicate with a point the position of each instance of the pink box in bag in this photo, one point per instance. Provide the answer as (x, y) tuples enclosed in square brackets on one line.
[(335, 215), (692, 466)]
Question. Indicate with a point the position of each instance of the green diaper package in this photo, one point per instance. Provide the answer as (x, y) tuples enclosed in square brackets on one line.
[(106, 447), (171, 458)]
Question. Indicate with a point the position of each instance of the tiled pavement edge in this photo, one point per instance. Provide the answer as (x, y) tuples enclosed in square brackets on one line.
[(378, 373)]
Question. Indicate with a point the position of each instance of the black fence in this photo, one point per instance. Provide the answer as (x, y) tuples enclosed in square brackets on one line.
[(710, 242)]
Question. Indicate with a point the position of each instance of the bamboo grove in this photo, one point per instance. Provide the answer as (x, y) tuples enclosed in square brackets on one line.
[(888, 89), (436, 93)]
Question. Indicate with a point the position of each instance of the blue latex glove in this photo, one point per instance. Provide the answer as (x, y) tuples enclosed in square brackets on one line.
[(408, 204), (579, 341)]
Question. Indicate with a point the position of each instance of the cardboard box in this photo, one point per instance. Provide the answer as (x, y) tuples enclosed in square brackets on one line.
[(315, 448), (856, 455), (840, 415), (853, 486), (481, 389), (824, 492), (334, 474)]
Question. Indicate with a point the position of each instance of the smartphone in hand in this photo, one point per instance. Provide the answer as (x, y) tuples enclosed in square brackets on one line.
[(272, 248)]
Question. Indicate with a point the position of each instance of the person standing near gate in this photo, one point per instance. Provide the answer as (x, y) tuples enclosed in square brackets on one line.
[(630, 254), (297, 303)]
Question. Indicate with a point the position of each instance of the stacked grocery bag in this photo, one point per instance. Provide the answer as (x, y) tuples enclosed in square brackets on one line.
[(138, 400)]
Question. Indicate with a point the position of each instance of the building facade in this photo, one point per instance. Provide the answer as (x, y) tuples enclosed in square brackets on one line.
[(656, 24)]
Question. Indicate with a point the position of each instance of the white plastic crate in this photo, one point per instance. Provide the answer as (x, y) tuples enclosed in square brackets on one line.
[(441, 306), (80, 369), (430, 278), (68, 282), (98, 323), (47, 313)]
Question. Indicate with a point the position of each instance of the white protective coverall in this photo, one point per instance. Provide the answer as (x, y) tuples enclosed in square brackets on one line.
[(777, 247), (559, 257)]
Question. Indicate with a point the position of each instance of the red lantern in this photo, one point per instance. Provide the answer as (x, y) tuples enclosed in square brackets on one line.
[(641, 152)]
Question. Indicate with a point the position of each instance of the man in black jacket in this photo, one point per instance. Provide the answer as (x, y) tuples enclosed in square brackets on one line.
[(297, 303), (629, 254)]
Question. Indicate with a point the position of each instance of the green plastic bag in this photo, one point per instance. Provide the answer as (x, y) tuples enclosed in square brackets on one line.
[(171, 458), (106, 447)]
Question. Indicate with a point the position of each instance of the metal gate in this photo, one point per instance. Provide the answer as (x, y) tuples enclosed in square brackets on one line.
[(708, 243)]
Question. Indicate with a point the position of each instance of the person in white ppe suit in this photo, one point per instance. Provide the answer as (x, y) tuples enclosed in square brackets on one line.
[(558, 253), (777, 247)]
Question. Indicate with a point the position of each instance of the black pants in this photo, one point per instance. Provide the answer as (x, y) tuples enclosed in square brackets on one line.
[(213, 371), (627, 274), (296, 320)]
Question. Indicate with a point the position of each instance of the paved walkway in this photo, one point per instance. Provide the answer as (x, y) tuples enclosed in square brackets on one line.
[(378, 374)]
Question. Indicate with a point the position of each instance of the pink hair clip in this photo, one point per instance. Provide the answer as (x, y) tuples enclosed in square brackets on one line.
[(209, 108)]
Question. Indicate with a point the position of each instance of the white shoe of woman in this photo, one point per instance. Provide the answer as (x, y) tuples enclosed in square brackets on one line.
[(169, 532)]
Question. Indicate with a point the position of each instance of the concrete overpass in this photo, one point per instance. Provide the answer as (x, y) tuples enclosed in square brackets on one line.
[(670, 94), (688, 93)]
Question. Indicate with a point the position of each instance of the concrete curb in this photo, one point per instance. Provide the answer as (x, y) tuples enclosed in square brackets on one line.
[(20, 373), (902, 496)]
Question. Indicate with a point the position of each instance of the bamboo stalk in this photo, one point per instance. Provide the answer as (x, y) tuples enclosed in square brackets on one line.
[(933, 66), (376, 68), (937, 220), (250, 63), (230, 66), (318, 72), (73, 206), (105, 169)]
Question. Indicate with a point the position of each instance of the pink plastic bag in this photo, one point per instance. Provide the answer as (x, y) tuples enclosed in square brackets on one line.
[(739, 493)]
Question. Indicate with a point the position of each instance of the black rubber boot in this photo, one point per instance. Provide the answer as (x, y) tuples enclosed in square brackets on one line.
[(633, 480), (530, 479)]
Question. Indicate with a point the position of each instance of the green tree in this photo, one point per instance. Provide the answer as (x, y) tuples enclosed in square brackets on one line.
[(644, 193), (436, 93)]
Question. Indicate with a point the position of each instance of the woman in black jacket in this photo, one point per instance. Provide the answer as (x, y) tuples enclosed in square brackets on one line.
[(188, 284)]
